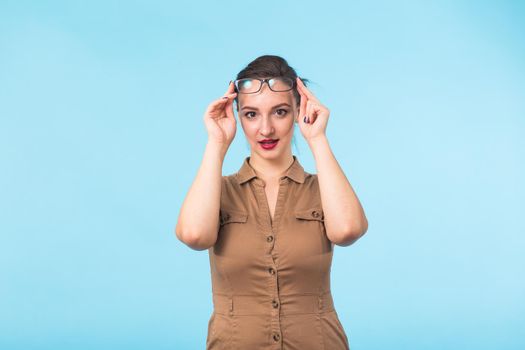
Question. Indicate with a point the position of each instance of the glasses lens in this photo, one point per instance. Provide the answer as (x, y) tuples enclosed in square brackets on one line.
[(247, 86), (250, 85), (281, 84)]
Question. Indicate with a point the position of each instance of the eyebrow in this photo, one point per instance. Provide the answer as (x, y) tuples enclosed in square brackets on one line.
[(255, 108)]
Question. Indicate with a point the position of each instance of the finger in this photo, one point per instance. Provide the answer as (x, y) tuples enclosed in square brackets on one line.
[(220, 103), (228, 97), (299, 109), (316, 112), (309, 116), (231, 88), (216, 105), (302, 114), (302, 109), (229, 109), (301, 87)]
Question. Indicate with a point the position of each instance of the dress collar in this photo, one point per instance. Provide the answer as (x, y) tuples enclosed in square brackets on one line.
[(294, 172)]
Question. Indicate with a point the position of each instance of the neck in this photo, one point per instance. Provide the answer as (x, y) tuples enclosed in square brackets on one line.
[(271, 169)]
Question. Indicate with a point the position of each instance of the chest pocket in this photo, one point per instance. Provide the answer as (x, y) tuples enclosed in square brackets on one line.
[(232, 237), (311, 239), (230, 216), (310, 220), (313, 213)]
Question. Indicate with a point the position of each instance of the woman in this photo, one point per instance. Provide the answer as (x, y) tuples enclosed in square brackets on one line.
[(271, 227)]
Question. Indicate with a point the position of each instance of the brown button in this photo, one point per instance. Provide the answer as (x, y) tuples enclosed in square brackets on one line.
[(275, 304), (276, 337), (315, 214), (271, 271), (269, 238)]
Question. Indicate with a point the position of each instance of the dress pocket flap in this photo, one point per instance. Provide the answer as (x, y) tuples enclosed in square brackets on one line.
[(228, 216), (314, 213)]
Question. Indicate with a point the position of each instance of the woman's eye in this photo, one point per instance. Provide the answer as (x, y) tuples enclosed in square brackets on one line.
[(284, 111), (280, 112)]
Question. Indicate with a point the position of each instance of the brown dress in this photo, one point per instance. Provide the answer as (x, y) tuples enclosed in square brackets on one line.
[(271, 278)]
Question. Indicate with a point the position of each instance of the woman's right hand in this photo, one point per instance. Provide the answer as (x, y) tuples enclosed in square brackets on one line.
[(220, 120)]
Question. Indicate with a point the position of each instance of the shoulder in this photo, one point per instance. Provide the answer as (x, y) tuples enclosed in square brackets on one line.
[(229, 180), (310, 176), (308, 194), (233, 195), (310, 180)]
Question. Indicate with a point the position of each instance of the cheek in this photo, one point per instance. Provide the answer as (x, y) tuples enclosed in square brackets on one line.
[(287, 126), (250, 131)]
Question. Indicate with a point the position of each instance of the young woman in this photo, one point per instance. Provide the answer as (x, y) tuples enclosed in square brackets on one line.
[(270, 228)]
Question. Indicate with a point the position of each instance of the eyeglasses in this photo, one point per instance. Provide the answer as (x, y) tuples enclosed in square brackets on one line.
[(253, 85)]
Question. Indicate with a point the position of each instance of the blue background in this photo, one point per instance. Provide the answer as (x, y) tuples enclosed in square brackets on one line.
[(101, 135)]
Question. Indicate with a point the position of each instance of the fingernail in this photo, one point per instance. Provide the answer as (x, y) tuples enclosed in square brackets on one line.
[(225, 97), (305, 119)]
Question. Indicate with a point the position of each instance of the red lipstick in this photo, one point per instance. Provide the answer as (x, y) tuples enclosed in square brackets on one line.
[(268, 144)]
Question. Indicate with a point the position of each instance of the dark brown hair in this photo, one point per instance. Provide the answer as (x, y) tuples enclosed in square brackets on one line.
[(270, 66)]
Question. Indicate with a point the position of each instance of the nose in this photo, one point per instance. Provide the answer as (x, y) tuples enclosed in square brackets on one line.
[(266, 128)]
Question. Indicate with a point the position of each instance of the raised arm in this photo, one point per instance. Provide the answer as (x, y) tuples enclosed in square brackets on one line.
[(345, 219), (198, 221)]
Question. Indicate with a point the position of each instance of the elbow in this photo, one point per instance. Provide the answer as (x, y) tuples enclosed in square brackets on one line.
[(193, 240), (351, 234), (363, 227), (198, 244), (346, 239)]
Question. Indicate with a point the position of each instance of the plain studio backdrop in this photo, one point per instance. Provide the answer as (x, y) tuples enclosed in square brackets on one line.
[(101, 135)]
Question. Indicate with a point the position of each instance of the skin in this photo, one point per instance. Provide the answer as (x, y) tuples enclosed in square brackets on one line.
[(263, 115), (269, 115)]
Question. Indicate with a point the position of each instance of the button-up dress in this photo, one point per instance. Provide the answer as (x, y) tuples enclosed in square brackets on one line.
[(271, 278)]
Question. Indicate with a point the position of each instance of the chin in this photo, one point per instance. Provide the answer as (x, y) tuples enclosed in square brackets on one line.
[(267, 155), (273, 154)]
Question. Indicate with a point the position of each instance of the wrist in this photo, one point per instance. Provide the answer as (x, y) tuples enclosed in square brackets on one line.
[(217, 148), (317, 140)]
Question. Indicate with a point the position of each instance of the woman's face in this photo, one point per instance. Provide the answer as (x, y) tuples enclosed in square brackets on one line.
[(268, 115)]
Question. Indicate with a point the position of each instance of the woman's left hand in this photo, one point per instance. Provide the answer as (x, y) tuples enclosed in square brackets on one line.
[(315, 112)]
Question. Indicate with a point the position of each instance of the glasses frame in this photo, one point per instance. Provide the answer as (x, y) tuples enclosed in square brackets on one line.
[(262, 81)]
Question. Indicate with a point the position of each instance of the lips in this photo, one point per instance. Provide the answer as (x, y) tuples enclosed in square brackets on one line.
[(268, 141)]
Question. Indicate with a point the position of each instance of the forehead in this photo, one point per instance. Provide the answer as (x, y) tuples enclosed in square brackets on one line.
[(265, 98)]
